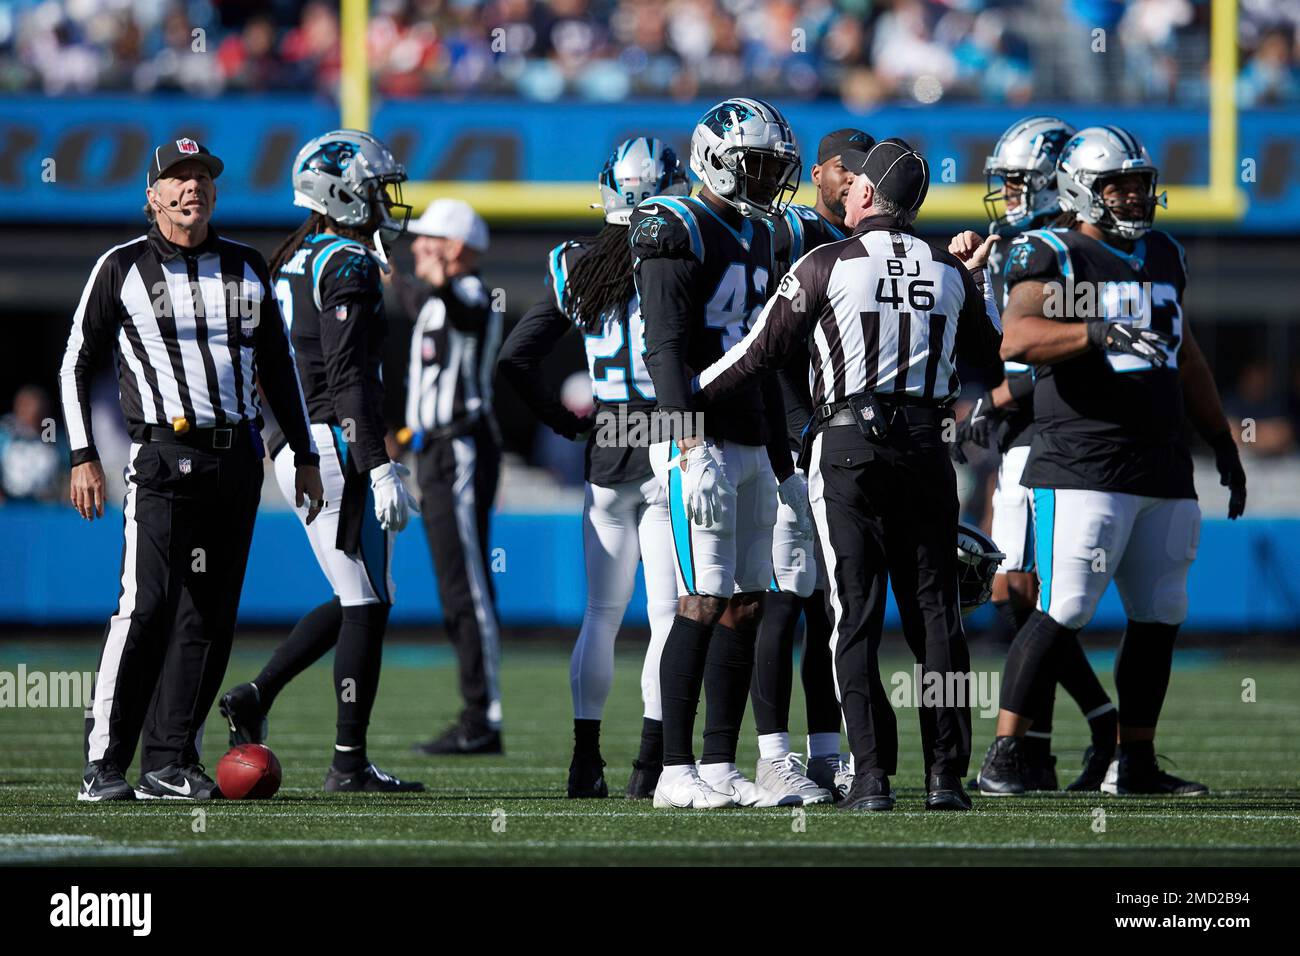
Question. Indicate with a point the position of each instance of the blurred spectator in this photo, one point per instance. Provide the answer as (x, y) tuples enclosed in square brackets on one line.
[(863, 51), (33, 459), (1259, 410)]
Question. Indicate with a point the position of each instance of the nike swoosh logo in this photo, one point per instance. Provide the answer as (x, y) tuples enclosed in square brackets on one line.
[(183, 791), (650, 210)]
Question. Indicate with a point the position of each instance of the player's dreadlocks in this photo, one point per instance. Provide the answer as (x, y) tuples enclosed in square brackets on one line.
[(315, 223), (601, 280)]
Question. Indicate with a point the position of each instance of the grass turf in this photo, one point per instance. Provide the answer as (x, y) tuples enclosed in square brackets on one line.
[(511, 809)]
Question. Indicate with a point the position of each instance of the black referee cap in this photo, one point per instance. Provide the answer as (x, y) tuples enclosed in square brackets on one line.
[(176, 151), (834, 144), (898, 172)]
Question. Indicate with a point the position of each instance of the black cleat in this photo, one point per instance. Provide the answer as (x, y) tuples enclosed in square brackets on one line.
[(369, 779), (175, 782), (587, 777), (645, 777), (944, 792), (1040, 773), (1095, 763), (242, 708), (101, 780), (1129, 776), (1002, 774), (458, 739), (868, 792)]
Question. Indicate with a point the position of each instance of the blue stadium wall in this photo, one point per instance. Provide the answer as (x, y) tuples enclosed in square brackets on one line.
[(57, 570), (100, 146)]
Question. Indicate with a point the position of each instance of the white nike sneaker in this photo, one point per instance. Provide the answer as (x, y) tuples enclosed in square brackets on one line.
[(786, 776), (831, 772), (725, 778), (681, 787)]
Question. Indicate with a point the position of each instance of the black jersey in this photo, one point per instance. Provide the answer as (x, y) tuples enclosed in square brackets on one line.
[(701, 282), (801, 230), (331, 296), (1108, 422)]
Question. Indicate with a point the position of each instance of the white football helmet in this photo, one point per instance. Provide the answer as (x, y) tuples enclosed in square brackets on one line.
[(638, 169), (1021, 173), (351, 177), (1095, 155), (744, 151)]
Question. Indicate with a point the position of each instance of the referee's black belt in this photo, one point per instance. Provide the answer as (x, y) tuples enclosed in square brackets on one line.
[(217, 439), (914, 411)]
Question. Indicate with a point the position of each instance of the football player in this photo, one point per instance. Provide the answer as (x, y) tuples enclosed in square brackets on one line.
[(1095, 304), (1021, 175), (625, 510), (798, 577), (702, 266), (327, 280)]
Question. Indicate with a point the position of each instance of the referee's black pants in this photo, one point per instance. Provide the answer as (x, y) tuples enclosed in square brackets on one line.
[(458, 483), (188, 524), (893, 513)]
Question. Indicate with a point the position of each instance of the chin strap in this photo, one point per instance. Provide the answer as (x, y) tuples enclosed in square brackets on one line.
[(380, 255)]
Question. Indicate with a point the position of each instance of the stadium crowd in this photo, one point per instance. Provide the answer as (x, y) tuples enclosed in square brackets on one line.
[(863, 51)]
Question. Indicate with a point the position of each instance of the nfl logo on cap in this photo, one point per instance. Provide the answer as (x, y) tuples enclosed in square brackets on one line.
[(187, 146), (185, 466)]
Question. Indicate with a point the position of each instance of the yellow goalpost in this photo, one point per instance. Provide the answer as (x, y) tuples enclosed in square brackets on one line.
[(1222, 200)]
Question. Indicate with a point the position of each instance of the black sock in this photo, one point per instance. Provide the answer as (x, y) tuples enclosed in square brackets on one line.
[(773, 679), (586, 737), (1031, 670), (1104, 727), (1013, 614), (1142, 666), (1080, 681), (1036, 749), (314, 634), (681, 675), (356, 680), (815, 670), (652, 742), (1139, 751), (727, 671)]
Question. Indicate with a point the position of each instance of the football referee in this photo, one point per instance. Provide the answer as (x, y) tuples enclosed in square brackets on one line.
[(884, 316), (194, 325)]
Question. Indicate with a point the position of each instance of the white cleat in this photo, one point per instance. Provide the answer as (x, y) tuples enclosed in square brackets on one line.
[(725, 778), (682, 788), (786, 776), (831, 773)]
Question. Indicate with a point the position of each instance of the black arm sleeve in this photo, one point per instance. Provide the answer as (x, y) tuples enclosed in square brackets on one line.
[(1021, 384), (354, 285), (520, 364), (793, 380), (664, 286), (778, 442), (277, 374), (94, 327)]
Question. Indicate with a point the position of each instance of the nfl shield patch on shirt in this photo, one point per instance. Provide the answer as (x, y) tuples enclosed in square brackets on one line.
[(340, 312), (185, 466)]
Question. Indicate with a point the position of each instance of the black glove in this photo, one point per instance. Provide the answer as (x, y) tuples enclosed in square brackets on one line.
[(1228, 461), (977, 427), (1127, 340)]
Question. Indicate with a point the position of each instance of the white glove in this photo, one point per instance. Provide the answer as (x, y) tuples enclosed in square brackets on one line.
[(703, 485), (393, 503), (793, 493)]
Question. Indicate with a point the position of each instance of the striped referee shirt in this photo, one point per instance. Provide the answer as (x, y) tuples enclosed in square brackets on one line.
[(195, 332), (881, 311), (453, 356)]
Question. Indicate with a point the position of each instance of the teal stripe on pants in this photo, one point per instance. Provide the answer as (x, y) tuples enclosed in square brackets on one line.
[(1044, 529)]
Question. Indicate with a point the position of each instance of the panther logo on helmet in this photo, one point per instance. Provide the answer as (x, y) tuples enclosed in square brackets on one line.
[(727, 116), (331, 158)]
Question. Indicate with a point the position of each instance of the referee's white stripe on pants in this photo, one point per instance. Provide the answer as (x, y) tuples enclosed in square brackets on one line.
[(118, 627), (472, 552), (817, 498)]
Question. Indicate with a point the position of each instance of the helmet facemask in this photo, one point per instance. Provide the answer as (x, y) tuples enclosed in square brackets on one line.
[(766, 181), (1123, 218), (1015, 198)]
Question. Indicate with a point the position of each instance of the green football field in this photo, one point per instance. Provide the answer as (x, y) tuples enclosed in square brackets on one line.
[(511, 809)]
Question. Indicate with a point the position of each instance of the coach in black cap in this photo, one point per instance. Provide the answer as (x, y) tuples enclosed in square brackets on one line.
[(192, 323), (884, 316)]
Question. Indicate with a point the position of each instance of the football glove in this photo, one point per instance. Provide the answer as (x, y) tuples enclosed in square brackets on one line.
[(793, 493), (1231, 474), (703, 485), (977, 427), (393, 503), (1128, 340)]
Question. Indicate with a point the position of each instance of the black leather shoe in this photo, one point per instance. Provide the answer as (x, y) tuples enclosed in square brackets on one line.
[(1095, 763), (369, 779), (1040, 774), (176, 782), (242, 708), (944, 792), (460, 739), (645, 777), (869, 792), (587, 777), (101, 780), (1002, 773)]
